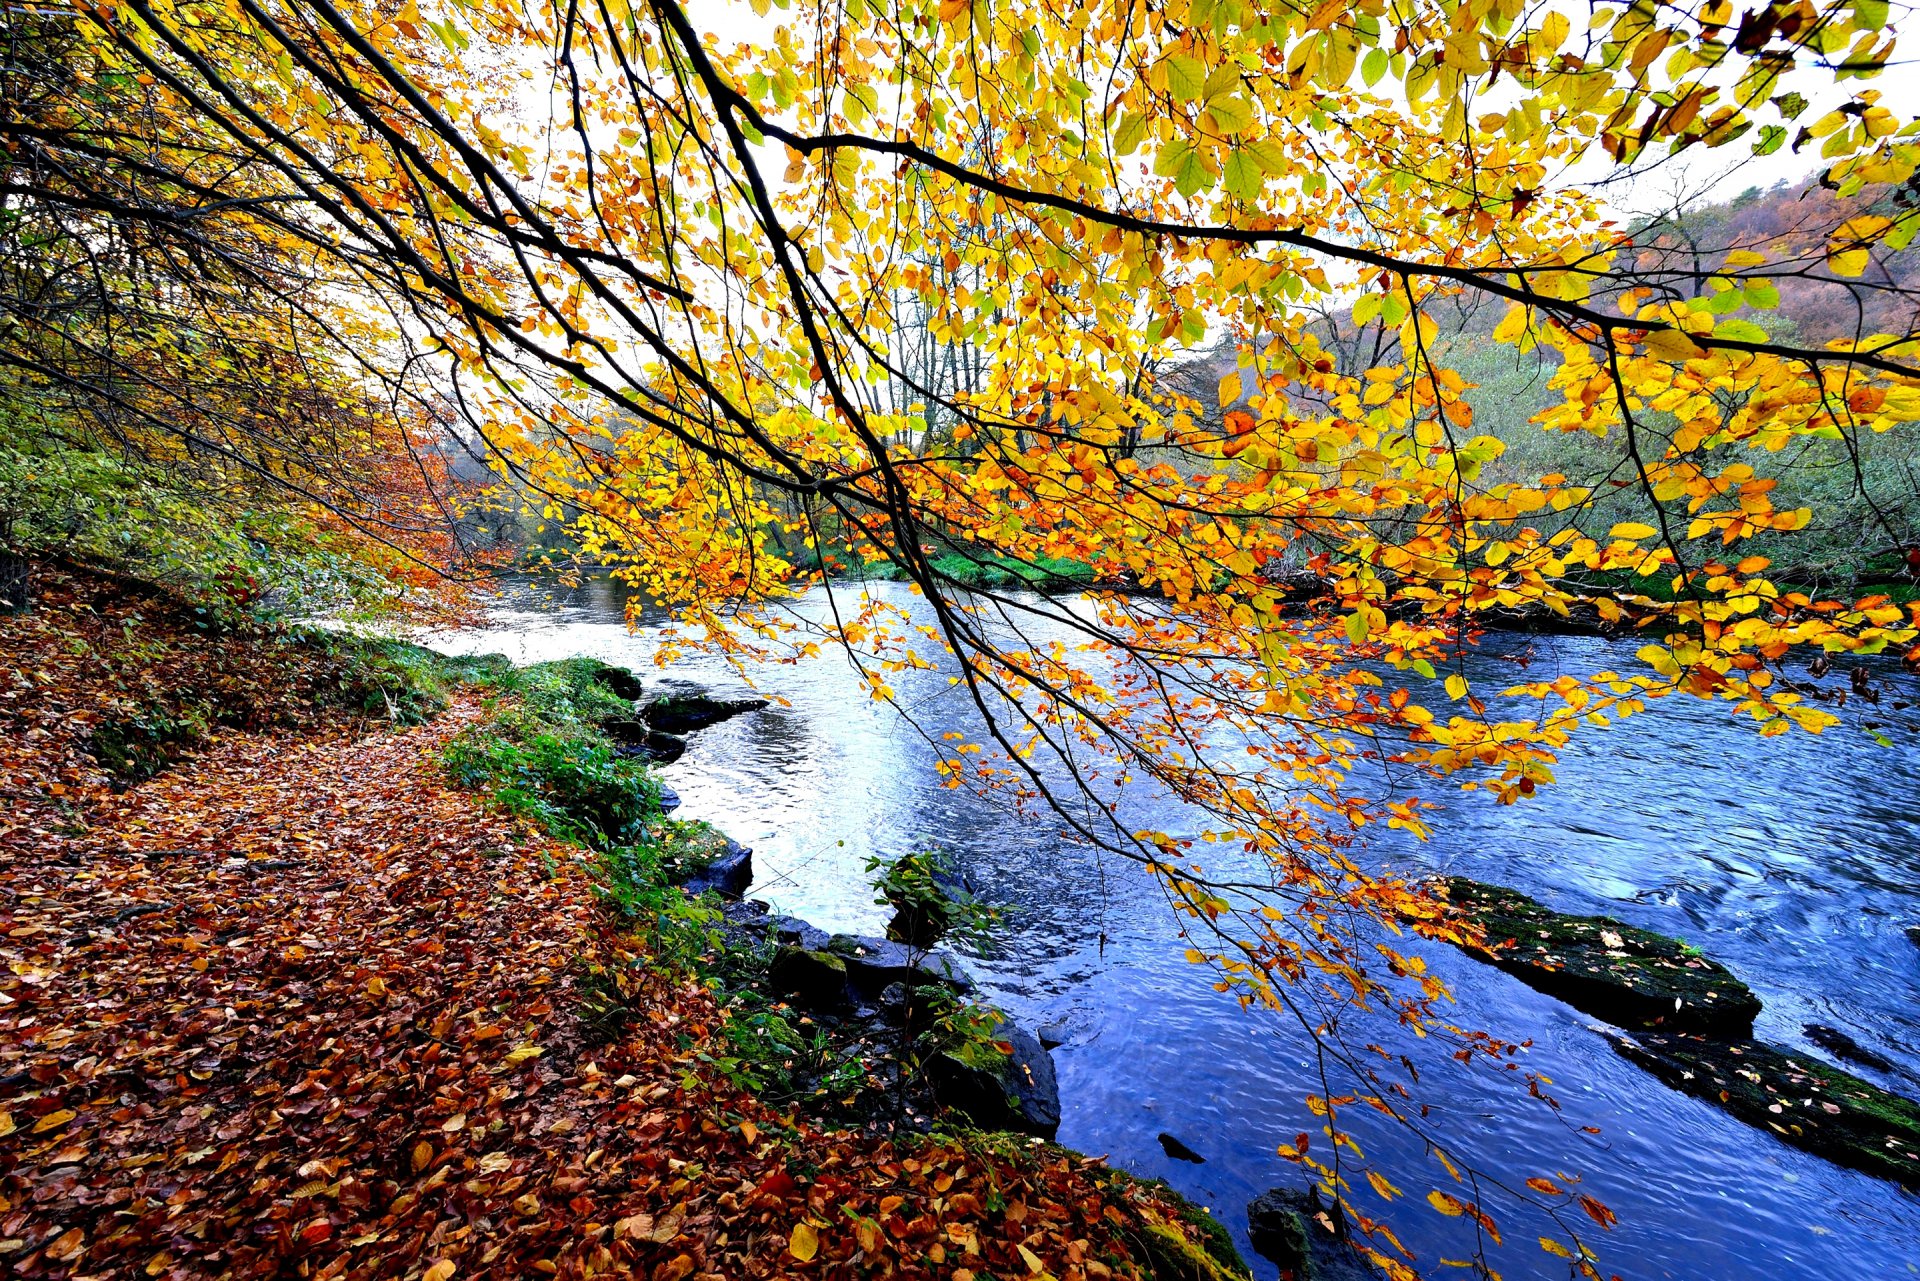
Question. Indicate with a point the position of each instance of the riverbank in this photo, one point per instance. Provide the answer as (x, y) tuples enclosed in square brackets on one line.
[(281, 997)]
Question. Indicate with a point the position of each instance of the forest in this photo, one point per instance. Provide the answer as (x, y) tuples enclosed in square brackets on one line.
[(1174, 640)]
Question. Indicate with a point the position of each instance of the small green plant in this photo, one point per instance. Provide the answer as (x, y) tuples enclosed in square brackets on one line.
[(568, 781)]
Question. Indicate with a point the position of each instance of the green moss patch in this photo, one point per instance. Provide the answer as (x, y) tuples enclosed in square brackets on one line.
[(1804, 1102), (1630, 977)]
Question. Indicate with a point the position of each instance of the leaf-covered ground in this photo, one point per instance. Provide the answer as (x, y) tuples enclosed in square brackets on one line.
[(296, 1007)]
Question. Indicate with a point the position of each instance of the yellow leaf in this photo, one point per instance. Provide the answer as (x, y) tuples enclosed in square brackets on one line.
[(805, 1242), (1230, 389), (1031, 1259), (1456, 686), (749, 1131), (1850, 263), (1451, 1206), (521, 1053), (440, 1271), (1671, 344), (1632, 529), (1386, 1190), (1552, 1246), (53, 1119)]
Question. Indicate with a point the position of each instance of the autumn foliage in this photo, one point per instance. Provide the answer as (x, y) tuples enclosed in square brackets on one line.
[(889, 284)]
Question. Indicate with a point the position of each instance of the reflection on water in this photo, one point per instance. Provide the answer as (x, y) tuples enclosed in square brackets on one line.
[(1795, 861)]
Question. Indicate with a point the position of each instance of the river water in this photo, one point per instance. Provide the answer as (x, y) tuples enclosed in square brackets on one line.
[(1794, 861)]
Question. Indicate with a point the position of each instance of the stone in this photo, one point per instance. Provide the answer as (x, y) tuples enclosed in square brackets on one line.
[(637, 738), (1797, 1098), (1285, 1226), (618, 681), (728, 875), (1913, 935), (874, 963), (811, 980), (1846, 1049), (1630, 977), (669, 799), (1020, 1093), (685, 713), (1053, 1034)]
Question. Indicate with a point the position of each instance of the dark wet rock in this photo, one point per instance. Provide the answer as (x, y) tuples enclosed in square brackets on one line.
[(893, 998), (634, 737), (685, 713), (1291, 1229), (1846, 1049), (1019, 1093), (1801, 1100), (1913, 935), (728, 875), (1053, 1033), (791, 931), (874, 963), (1632, 978), (811, 980), (1179, 1151), (618, 681), (669, 799)]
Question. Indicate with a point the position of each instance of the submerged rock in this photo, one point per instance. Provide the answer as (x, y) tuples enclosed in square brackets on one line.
[(1179, 1151), (1845, 1048), (1019, 1093), (1632, 978), (1297, 1232), (685, 713), (1807, 1103)]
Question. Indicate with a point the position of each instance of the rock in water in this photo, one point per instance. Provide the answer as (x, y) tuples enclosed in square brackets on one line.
[(1805, 1102), (1845, 1048), (1287, 1227), (618, 681), (728, 875), (1632, 978), (811, 980), (1180, 1151), (1913, 935), (1021, 1093), (685, 713)]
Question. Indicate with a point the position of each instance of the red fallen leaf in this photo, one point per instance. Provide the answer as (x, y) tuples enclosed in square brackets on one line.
[(316, 1232), (779, 1185)]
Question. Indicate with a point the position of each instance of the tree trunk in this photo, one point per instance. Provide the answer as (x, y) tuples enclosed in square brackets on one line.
[(15, 589)]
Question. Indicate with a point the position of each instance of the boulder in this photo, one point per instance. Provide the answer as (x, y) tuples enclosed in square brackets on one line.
[(811, 980), (637, 738), (1803, 1101), (1020, 1093), (1630, 977), (685, 713), (1053, 1033), (728, 875), (1913, 935), (618, 681), (669, 799), (1291, 1229), (874, 963)]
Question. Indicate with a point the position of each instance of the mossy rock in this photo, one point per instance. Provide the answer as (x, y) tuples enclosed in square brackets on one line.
[(1195, 1246), (685, 713), (1801, 1100), (811, 980), (1632, 978)]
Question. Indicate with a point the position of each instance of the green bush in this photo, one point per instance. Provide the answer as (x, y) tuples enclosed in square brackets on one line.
[(570, 782)]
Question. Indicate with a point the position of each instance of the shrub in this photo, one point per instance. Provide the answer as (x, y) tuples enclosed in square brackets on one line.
[(568, 781)]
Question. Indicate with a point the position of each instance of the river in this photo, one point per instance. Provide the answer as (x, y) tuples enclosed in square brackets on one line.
[(1794, 861)]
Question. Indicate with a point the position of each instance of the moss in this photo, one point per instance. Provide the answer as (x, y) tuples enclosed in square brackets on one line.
[(1628, 976), (1206, 1251), (137, 747), (1804, 1102)]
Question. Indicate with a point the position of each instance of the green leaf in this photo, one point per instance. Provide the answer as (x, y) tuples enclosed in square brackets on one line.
[(1772, 138), (1186, 78), (1740, 331), (1232, 112), (1244, 176), (1761, 295), (1127, 137), (1373, 66), (1172, 156)]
